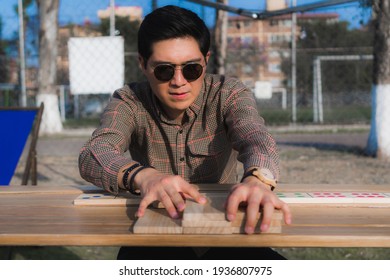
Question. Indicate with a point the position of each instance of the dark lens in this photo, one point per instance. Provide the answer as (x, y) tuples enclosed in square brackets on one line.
[(164, 72), (192, 71)]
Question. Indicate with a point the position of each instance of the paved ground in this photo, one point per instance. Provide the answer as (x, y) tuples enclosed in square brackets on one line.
[(306, 157)]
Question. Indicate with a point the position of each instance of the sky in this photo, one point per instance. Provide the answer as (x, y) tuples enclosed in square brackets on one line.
[(77, 11)]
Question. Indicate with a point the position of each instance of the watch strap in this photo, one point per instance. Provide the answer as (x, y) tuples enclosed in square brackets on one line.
[(259, 175)]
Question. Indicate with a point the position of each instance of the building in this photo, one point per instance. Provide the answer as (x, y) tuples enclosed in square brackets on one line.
[(272, 40), (133, 12)]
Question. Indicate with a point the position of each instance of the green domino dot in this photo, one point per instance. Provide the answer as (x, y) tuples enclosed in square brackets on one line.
[(299, 195)]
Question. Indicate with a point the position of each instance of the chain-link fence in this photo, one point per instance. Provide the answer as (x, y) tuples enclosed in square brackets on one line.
[(333, 68)]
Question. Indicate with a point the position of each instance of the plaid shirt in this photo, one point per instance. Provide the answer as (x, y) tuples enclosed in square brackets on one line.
[(221, 126)]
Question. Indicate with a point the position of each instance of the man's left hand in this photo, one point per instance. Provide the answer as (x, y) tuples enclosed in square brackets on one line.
[(255, 194)]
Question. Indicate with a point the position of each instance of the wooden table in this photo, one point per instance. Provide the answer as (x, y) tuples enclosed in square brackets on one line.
[(39, 215)]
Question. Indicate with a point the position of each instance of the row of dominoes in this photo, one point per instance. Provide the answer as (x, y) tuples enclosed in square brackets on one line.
[(334, 197), (288, 197)]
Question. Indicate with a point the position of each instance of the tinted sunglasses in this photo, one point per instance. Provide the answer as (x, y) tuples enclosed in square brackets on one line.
[(191, 71)]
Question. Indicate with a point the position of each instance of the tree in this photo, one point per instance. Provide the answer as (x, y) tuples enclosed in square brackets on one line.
[(47, 73), (220, 38), (3, 58), (379, 138), (321, 38)]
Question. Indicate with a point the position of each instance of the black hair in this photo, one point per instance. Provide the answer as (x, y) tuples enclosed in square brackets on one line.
[(170, 22)]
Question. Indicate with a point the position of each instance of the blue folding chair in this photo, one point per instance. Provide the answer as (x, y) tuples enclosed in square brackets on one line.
[(16, 124)]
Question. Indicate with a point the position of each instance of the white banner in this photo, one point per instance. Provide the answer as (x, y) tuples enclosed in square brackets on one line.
[(96, 64)]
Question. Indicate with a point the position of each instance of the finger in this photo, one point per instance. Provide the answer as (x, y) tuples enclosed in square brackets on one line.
[(285, 209), (194, 193), (252, 211), (169, 206), (177, 199), (268, 210), (232, 204), (286, 213), (145, 202)]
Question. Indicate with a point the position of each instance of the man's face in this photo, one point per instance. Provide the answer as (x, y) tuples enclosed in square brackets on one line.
[(177, 94)]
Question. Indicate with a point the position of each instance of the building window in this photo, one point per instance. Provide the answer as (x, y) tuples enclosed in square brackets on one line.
[(274, 54), (274, 68), (247, 69), (286, 22), (246, 40), (278, 38), (276, 82), (247, 24)]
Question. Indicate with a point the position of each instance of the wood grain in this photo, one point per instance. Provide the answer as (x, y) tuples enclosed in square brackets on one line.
[(44, 216), (157, 221), (206, 218)]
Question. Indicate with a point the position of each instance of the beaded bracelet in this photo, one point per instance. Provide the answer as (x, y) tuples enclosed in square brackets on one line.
[(131, 186), (127, 172)]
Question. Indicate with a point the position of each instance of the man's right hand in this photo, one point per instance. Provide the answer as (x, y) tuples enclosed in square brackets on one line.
[(170, 190)]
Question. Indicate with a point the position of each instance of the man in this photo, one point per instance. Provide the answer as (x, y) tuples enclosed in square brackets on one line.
[(183, 126)]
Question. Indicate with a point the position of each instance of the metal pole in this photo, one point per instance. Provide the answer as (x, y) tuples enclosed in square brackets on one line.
[(319, 93), (284, 98), (293, 65), (62, 103), (315, 90), (112, 17), (23, 96)]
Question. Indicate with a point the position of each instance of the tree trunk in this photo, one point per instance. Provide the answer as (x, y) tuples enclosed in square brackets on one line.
[(221, 39), (47, 74), (379, 139)]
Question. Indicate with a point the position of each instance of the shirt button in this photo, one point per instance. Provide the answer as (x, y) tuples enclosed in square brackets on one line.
[(181, 131), (181, 159)]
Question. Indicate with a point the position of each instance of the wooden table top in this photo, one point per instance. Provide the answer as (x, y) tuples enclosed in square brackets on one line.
[(45, 215)]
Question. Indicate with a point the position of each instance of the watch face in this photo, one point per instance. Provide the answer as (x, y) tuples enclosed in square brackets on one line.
[(267, 173), (265, 176)]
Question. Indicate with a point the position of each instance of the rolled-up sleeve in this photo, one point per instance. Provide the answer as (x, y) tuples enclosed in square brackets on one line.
[(103, 155), (247, 131)]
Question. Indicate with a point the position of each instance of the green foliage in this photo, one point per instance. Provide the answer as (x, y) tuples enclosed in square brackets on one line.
[(322, 38), (320, 34), (80, 123), (26, 4), (128, 30), (332, 115)]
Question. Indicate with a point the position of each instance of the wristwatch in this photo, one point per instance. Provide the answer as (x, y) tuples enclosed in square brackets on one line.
[(263, 174)]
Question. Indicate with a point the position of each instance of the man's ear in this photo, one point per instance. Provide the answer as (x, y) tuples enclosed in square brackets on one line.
[(141, 63), (207, 57)]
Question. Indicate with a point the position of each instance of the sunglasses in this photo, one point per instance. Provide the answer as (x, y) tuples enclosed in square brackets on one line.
[(191, 71)]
